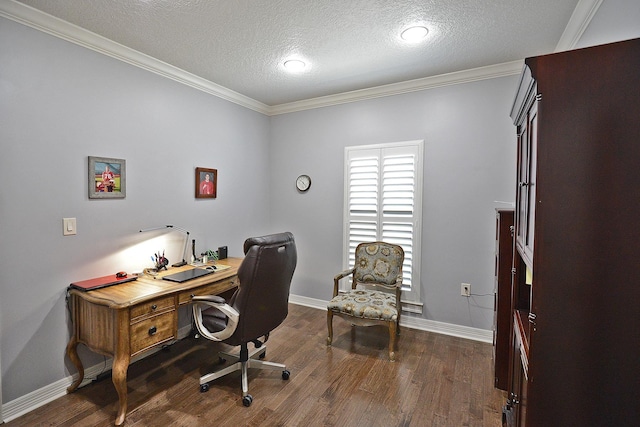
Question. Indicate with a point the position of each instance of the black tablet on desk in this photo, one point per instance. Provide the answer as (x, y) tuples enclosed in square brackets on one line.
[(183, 276)]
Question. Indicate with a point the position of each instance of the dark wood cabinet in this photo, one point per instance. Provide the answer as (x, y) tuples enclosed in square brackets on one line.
[(527, 161), (575, 343), (502, 297), (515, 410)]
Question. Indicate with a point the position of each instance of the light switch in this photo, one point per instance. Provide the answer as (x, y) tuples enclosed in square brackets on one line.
[(69, 226)]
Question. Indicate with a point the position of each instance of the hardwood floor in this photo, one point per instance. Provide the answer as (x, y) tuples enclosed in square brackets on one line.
[(436, 380)]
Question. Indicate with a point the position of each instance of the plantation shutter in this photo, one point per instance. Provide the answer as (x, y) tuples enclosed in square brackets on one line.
[(383, 202)]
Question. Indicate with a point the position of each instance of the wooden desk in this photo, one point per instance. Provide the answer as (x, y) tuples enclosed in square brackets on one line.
[(125, 320)]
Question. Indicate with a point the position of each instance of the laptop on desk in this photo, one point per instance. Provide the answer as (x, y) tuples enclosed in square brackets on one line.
[(101, 282), (183, 276)]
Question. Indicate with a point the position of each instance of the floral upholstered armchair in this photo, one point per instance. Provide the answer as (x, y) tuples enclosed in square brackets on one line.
[(374, 297)]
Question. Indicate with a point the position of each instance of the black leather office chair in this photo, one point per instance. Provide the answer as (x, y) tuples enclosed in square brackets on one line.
[(257, 307)]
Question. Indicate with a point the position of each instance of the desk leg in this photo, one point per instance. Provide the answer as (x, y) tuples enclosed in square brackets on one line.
[(72, 353), (119, 378)]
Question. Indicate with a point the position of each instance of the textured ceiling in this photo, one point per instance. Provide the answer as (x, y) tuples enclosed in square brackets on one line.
[(348, 44)]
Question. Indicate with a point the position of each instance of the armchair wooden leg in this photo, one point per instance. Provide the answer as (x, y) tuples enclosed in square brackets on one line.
[(392, 341), (330, 326)]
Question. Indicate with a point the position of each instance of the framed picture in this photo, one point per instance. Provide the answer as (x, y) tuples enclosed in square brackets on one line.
[(107, 178), (206, 183)]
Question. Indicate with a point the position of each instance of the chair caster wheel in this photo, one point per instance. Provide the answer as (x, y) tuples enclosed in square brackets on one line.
[(221, 360), (204, 388), (285, 374), (246, 400), (262, 355)]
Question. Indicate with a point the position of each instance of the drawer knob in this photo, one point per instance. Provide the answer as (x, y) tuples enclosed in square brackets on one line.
[(153, 330), (154, 306)]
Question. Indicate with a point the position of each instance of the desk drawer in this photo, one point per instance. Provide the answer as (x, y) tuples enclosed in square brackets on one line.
[(152, 308), (210, 289), (152, 331)]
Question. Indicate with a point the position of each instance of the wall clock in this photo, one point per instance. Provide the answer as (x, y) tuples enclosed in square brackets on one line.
[(303, 182)]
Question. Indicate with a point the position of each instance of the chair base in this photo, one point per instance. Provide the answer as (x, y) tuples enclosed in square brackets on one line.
[(393, 329), (244, 365)]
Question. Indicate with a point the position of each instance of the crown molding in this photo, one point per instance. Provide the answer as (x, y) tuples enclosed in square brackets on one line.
[(580, 18), (458, 77), (56, 27), (26, 15)]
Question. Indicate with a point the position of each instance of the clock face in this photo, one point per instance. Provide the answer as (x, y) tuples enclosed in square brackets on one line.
[(303, 183)]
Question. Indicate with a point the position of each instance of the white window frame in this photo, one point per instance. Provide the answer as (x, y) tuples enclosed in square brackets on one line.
[(371, 222)]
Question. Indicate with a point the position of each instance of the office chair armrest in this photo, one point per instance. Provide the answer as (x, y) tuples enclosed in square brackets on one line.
[(339, 276), (215, 299), (219, 303), (209, 298)]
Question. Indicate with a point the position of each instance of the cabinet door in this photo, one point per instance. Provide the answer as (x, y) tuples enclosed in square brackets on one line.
[(511, 416), (515, 411), (502, 297), (527, 161), (531, 181), (523, 175)]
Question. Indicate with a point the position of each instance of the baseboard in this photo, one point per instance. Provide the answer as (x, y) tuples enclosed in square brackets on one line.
[(27, 403), (411, 322), (46, 394)]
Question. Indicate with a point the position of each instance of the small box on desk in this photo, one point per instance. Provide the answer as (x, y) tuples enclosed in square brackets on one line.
[(222, 252)]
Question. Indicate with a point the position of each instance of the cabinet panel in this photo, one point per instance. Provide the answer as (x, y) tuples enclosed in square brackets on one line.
[(515, 410), (523, 175), (526, 190), (577, 231), (502, 295), (529, 223)]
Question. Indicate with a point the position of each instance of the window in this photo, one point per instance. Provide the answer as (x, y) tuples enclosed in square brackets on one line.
[(383, 201)]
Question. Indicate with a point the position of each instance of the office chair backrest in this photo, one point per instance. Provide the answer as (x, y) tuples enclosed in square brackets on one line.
[(265, 277)]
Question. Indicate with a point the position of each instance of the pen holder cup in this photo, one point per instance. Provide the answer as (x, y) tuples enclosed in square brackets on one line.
[(162, 264)]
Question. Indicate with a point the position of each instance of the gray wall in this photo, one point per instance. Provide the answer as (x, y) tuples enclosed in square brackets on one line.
[(60, 103), (615, 20), (469, 162)]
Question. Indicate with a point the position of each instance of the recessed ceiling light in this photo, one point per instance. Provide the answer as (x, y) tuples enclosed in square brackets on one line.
[(294, 65), (414, 34)]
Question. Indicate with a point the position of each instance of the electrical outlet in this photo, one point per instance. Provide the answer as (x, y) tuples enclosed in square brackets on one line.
[(465, 289)]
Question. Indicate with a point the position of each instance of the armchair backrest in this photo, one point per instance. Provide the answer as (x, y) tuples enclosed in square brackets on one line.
[(377, 263), (265, 278)]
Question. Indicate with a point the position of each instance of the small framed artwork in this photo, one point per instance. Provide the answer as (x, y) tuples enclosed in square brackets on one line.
[(107, 178), (206, 183)]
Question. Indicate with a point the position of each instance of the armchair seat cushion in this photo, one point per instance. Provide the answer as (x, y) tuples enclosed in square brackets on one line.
[(366, 304)]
